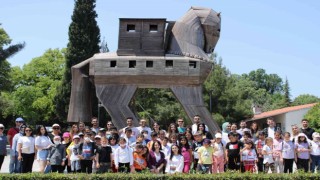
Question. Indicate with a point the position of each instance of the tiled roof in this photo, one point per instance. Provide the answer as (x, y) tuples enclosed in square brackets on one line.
[(281, 111)]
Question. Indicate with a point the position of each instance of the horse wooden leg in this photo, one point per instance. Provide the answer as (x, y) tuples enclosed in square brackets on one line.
[(192, 101)]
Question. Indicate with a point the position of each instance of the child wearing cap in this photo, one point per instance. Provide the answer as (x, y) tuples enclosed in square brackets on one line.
[(66, 142), (248, 156), (73, 150), (205, 157), (315, 151), (218, 155), (57, 155), (303, 152)]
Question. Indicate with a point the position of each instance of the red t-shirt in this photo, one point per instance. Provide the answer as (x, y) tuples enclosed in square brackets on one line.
[(12, 131)]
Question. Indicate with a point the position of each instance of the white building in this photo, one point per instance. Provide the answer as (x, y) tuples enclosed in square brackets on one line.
[(284, 118)]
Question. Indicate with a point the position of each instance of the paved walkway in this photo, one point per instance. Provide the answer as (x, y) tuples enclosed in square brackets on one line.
[(6, 162)]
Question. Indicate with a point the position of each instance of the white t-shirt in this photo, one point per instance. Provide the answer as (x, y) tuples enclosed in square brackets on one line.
[(166, 150), (218, 150), (194, 128), (288, 148), (42, 141), (135, 131), (249, 155), (174, 165), (271, 132), (268, 157), (27, 143), (315, 148)]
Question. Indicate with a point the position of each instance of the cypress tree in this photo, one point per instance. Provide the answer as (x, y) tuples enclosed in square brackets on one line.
[(287, 95), (84, 39)]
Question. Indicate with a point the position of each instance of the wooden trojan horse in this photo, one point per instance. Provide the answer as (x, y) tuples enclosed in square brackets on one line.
[(152, 53)]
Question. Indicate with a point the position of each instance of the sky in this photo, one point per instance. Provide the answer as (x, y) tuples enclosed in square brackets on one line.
[(281, 37)]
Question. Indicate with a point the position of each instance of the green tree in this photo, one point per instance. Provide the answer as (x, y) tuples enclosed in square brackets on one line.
[(286, 90), (272, 83), (35, 86), (84, 38), (5, 68), (10, 49), (305, 99), (159, 105), (313, 116)]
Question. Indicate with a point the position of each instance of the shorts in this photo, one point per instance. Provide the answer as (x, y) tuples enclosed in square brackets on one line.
[(42, 155)]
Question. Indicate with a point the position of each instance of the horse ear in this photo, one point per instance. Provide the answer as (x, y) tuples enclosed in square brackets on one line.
[(219, 13)]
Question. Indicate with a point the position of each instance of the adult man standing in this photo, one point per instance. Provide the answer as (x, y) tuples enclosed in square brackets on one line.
[(271, 129), (305, 129), (196, 121), (11, 133), (95, 125), (14, 150), (143, 127), (135, 131), (243, 127), (181, 128)]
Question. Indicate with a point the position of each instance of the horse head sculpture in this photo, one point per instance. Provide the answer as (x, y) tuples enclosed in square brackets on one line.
[(195, 34)]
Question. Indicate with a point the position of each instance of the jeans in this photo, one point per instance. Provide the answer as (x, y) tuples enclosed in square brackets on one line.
[(15, 164), (315, 162)]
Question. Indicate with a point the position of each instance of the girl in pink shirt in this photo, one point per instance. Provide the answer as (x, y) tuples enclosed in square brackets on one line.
[(186, 152)]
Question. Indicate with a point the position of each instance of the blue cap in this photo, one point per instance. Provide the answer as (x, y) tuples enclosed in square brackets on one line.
[(19, 119)]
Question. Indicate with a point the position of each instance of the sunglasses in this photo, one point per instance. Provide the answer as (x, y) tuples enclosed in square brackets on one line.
[(109, 124), (56, 128), (1, 128)]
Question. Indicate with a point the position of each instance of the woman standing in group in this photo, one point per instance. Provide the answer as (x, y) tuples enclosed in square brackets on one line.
[(175, 161), (254, 128), (3, 145), (74, 130), (42, 144), (156, 160), (26, 150), (82, 127), (206, 134), (173, 129)]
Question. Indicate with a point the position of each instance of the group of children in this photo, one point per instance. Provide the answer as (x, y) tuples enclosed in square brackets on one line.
[(183, 153)]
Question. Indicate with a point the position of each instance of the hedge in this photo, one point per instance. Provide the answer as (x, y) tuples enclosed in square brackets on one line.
[(119, 176)]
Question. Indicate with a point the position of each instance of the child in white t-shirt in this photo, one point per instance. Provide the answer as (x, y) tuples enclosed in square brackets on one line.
[(288, 153), (315, 151), (267, 152)]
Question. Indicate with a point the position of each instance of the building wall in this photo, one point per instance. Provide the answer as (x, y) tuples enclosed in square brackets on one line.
[(294, 117)]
